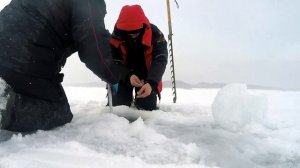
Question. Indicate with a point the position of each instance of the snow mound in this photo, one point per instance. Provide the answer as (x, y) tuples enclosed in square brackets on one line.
[(234, 107)]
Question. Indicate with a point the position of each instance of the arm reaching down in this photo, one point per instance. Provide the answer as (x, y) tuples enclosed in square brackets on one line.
[(92, 40)]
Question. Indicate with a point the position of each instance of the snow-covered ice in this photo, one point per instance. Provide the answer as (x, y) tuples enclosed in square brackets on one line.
[(229, 128), (183, 135)]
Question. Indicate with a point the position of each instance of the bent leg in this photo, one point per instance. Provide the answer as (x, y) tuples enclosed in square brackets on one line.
[(27, 113), (124, 95), (148, 103)]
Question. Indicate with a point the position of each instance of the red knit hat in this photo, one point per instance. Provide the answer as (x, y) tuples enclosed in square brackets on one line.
[(133, 18)]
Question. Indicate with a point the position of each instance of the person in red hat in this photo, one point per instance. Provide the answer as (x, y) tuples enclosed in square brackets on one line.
[(142, 47)]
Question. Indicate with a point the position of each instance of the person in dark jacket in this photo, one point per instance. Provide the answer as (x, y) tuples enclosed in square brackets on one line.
[(36, 37), (142, 47)]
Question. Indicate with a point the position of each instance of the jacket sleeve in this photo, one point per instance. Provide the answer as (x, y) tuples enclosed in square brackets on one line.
[(118, 59), (159, 57), (92, 39)]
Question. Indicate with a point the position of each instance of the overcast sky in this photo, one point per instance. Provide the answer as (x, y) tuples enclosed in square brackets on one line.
[(245, 41)]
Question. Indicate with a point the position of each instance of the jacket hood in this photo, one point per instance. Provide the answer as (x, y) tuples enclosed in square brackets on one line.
[(133, 18)]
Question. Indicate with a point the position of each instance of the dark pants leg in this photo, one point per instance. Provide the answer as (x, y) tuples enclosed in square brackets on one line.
[(148, 103), (123, 96), (27, 113)]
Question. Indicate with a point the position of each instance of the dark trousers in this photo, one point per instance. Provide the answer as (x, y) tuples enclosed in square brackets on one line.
[(27, 114), (41, 105), (124, 96)]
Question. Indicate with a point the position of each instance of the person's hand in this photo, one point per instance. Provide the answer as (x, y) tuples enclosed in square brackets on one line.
[(135, 81), (144, 91)]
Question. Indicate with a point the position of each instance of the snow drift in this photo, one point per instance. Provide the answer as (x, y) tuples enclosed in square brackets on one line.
[(234, 107), (181, 135)]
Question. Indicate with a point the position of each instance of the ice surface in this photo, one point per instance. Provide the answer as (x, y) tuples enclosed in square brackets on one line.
[(181, 135)]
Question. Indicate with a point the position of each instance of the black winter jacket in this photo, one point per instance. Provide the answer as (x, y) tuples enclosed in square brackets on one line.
[(37, 36), (135, 56)]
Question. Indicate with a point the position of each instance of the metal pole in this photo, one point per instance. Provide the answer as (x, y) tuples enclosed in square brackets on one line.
[(171, 51), (109, 98)]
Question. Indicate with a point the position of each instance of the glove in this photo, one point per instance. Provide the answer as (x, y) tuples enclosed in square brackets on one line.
[(114, 88)]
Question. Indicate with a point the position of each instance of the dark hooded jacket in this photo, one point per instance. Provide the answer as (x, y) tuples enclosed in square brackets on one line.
[(147, 55), (37, 36)]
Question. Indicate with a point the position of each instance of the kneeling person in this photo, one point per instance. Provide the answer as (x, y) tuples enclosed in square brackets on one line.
[(142, 47)]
